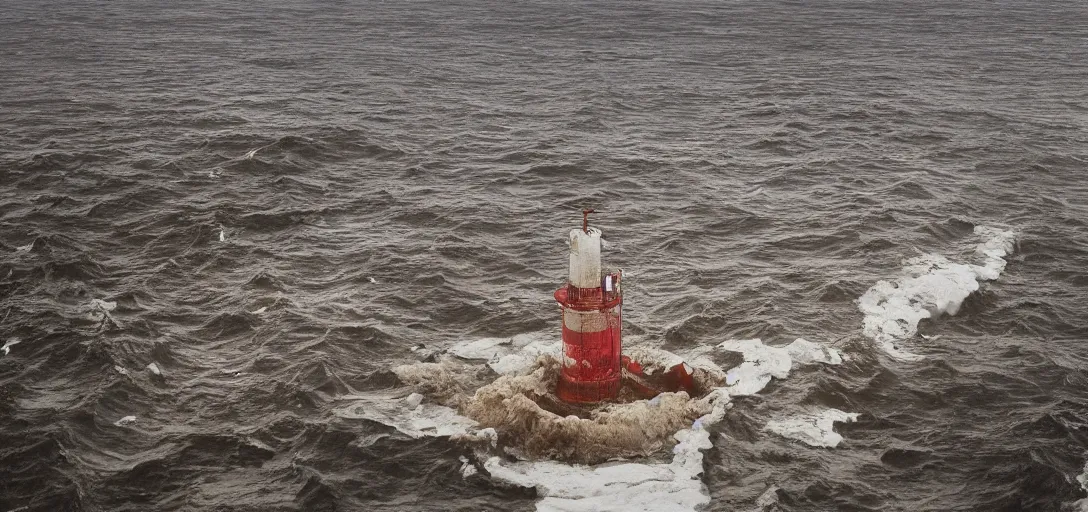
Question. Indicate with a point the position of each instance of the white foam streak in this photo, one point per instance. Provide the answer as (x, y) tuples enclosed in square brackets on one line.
[(932, 286), (1081, 505), (1083, 478), (802, 351), (763, 362), (467, 468), (102, 305), (98, 310), (10, 343), (422, 420), (509, 355), (812, 429)]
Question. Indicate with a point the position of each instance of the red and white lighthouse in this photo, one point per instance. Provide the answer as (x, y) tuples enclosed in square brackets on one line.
[(591, 304)]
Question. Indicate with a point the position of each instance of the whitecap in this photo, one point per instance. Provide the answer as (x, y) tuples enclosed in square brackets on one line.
[(512, 355), (424, 420), (124, 422), (1081, 505), (98, 310), (10, 343), (102, 305), (932, 286), (802, 351), (467, 468), (812, 429), (1083, 478), (768, 498), (154, 369), (761, 363), (483, 348), (522, 361)]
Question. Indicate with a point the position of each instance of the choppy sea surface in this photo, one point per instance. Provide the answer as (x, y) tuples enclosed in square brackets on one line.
[(273, 202)]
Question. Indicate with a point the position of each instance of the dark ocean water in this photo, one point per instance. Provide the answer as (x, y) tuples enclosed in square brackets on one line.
[(283, 197)]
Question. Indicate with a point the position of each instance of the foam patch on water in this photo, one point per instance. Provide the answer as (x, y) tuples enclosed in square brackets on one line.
[(104, 306), (467, 468), (802, 351), (997, 244), (6, 349), (763, 362), (509, 355), (98, 310), (932, 286), (408, 415), (1081, 505), (653, 360), (627, 486), (812, 429)]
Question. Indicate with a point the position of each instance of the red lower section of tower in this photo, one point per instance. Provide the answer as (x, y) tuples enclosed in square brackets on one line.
[(591, 345)]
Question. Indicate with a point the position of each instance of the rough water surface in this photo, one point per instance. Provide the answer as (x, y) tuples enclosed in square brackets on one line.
[(222, 225)]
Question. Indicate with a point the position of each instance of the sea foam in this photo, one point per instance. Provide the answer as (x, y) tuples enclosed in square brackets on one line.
[(6, 349), (408, 415), (509, 355), (932, 285), (763, 362), (815, 429)]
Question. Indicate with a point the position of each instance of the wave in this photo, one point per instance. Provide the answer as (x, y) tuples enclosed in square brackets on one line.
[(813, 429), (933, 285)]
